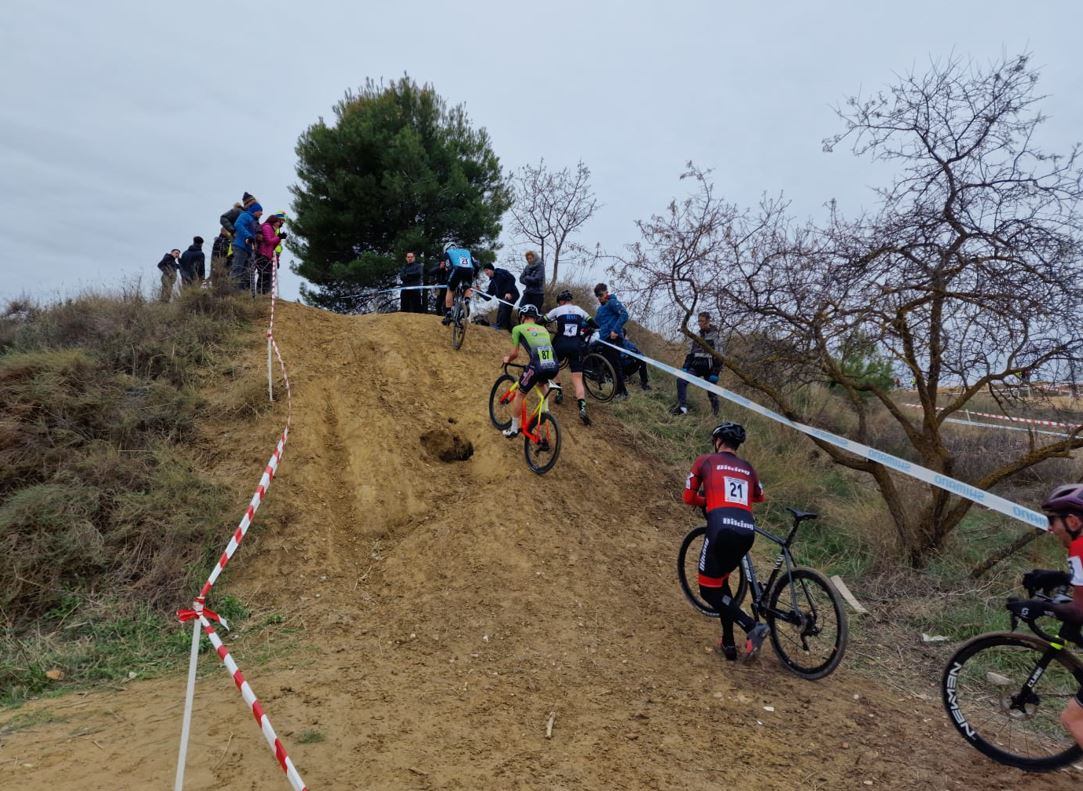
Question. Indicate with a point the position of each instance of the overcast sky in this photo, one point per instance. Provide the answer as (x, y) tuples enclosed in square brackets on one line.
[(128, 127)]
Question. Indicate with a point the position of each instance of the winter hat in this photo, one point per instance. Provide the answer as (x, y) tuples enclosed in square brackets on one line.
[(254, 207), (248, 199)]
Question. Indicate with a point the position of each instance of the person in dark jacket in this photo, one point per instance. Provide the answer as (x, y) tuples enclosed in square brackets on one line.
[(439, 276), (699, 362), (168, 267), (245, 235), (229, 219), (220, 250), (412, 275), (611, 318), (533, 280), (502, 286), (193, 263)]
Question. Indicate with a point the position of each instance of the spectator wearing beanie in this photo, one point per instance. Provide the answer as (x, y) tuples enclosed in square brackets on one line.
[(245, 233), (270, 234), (193, 263)]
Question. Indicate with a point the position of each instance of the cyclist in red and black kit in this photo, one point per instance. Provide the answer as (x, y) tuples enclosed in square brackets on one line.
[(726, 486), (1064, 508)]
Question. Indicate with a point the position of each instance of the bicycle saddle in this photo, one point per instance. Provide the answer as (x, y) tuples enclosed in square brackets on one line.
[(801, 516)]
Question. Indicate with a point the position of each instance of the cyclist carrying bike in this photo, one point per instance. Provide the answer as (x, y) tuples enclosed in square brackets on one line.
[(1064, 508), (543, 361), (570, 343), (726, 486), (462, 268)]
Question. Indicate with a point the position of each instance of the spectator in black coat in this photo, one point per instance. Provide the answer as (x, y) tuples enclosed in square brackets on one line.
[(440, 276), (193, 264), (502, 286), (533, 280), (411, 275), (168, 267)]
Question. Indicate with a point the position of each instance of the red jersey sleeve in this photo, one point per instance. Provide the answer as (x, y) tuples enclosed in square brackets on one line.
[(692, 494), (757, 489), (1075, 561)]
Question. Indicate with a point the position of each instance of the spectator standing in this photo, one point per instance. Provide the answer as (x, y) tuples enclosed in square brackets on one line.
[(168, 267), (220, 249), (440, 275), (699, 362), (411, 275), (246, 232), (611, 318), (193, 263), (502, 286), (533, 280), (270, 234)]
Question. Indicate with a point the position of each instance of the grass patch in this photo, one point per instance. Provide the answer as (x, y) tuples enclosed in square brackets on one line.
[(310, 736), (106, 515)]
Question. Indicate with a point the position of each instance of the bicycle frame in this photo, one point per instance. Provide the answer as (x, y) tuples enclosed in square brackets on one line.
[(785, 558), (535, 413)]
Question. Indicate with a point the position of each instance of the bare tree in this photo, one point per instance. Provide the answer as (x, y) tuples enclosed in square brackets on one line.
[(549, 206), (968, 277)]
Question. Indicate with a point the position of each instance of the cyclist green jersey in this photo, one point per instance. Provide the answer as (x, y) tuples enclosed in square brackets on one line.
[(537, 343)]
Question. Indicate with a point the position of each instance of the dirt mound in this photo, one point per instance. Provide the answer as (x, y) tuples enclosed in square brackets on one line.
[(448, 611)]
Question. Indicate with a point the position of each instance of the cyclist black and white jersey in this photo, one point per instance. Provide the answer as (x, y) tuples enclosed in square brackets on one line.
[(570, 319)]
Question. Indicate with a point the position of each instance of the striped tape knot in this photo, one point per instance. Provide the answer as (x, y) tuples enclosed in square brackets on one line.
[(199, 610)]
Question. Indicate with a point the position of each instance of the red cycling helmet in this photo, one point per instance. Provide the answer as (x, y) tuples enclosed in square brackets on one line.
[(1065, 499)]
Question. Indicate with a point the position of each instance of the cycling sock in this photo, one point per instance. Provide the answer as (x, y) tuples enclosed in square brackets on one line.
[(728, 610)]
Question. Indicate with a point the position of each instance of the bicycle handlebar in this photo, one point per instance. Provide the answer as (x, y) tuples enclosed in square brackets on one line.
[(520, 366), (1041, 594)]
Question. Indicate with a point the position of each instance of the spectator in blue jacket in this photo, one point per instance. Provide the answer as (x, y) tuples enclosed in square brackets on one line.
[(610, 319), (245, 234)]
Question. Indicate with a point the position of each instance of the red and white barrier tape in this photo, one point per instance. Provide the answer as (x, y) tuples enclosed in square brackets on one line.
[(253, 704), (1026, 420), (202, 616)]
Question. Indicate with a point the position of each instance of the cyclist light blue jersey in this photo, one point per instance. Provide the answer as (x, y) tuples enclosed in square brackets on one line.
[(460, 258)]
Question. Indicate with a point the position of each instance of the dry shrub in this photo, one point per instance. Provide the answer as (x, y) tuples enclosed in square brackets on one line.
[(99, 496)]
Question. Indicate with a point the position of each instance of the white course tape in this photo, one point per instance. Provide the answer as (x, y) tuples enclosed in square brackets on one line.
[(991, 501)]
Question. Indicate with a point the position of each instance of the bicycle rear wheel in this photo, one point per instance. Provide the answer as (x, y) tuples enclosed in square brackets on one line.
[(599, 377), (541, 456), (501, 410), (688, 573), (458, 323), (985, 695), (808, 623)]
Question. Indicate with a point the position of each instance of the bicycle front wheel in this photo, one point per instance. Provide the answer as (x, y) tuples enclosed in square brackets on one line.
[(985, 693), (542, 455), (599, 377), (501, 410), (688, 573), (808, 623)]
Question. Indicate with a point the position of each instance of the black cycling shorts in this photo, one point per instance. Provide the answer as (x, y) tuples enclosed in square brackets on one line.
[(535, 374), (460, 275), (572, 351), (723, 547)]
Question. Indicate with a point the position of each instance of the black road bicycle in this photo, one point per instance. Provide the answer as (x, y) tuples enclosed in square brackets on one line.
[(1004, 692), (800, 605)]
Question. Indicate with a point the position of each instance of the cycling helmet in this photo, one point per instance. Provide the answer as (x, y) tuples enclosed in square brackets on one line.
[(1065, 499), (733, 434), (529, 310), (565, 296), (449, 246)]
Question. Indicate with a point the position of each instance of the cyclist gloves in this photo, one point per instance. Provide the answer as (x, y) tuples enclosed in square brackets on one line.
[(1046, 580)]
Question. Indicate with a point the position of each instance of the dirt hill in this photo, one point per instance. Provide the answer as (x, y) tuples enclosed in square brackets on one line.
[(446, 608)]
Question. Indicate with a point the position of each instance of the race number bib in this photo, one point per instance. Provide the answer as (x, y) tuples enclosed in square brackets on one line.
[(736, 490), (545, 354), (571, 330)]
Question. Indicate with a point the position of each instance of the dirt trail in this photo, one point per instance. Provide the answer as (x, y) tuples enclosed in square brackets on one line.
[(449, 608)]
